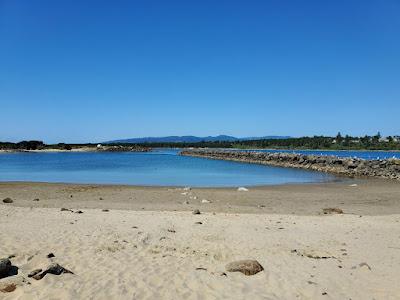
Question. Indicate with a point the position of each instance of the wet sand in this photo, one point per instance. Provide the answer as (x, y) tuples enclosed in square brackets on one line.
[(368, 197)]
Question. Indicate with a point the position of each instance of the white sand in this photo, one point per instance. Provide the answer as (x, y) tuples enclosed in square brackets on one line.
[(113, 260)]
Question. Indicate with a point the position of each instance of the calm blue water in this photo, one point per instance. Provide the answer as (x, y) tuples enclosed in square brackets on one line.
[(164, 168), (356, 154)]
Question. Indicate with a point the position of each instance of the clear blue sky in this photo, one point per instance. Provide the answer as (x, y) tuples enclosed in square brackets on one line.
[(80, 71)]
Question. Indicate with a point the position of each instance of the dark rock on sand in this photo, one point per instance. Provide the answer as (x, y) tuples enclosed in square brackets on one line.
[(34, 272), (50, 255), (333, 210), (65, 209), (247, 267), (8, 200), (311, 254), (54, 269), (79, 212), (36, 199), (5, 267), (105, 210), (196, 212)]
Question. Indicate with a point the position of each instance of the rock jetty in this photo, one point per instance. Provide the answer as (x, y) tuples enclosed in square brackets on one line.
[(122, 148), (351, 167)]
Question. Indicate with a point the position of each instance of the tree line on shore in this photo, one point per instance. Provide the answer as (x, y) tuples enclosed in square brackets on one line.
[(338, 142), (33, 145)]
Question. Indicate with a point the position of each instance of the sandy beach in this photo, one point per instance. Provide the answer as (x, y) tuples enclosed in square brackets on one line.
[(145, 243)]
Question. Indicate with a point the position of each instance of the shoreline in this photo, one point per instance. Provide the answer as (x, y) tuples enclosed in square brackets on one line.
[(79, 150), (337, 179), (352, 196), (92, 149)]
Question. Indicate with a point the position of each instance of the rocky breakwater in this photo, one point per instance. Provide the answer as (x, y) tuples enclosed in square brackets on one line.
[(122, 148), (351, 167)]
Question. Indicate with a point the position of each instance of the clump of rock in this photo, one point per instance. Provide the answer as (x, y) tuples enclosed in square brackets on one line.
[(34, 272), (247, 267), (332, 210), (53, 268), (8, 200), (10, 279), (5, 267), (122, 148), (352, 167)]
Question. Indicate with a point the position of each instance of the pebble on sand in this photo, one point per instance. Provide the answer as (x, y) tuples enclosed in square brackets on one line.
[(247, 267), (242, 189), (196, 212), (65, 209), (8, 200), (54, 269), (34, 272), (332, 210)]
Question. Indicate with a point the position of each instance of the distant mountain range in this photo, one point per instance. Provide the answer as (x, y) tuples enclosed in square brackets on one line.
[(192, 139)]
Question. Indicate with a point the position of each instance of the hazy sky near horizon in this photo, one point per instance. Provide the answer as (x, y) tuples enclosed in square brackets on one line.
[(90, 71)]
